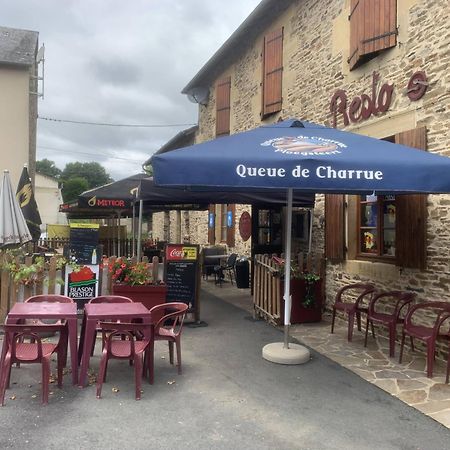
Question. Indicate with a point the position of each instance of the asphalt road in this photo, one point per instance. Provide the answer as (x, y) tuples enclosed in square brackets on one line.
[(227, 398)]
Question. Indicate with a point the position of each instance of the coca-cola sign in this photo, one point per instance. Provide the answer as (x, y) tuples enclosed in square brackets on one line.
[(180, 252)]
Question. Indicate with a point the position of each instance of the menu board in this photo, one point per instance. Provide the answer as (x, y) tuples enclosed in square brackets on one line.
[(83, 243), (181, 273)]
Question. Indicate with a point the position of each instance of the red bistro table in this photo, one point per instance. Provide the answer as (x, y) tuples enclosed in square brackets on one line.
[(95, 312), (53, 310)]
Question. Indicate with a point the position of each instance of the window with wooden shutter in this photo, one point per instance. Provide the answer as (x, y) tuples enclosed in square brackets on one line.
[(334, 227), (212, 224), (373, 27), (272, 72), (411, 213), (223, 104)]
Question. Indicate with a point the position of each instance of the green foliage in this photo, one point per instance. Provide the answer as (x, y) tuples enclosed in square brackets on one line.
[(73, 187), (92, 172), (47, 167), (133, 274)]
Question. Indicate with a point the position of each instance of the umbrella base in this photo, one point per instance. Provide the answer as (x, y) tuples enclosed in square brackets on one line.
[(295, 354)]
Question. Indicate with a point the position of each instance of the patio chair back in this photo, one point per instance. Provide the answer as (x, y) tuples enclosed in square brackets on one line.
[(110, 299), (36, 351)]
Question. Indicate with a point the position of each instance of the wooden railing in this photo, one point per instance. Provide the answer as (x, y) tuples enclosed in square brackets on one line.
[(267, 287)]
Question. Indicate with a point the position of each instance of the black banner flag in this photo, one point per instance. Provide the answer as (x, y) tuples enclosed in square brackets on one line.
[(27, 202)]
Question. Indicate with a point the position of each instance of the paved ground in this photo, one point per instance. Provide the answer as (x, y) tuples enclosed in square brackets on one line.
[(227, 398)]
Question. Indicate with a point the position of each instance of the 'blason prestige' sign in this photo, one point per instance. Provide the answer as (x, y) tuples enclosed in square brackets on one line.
[(363, 106)]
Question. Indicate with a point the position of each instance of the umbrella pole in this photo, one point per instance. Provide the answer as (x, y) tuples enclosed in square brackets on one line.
[(139, 237), (133, 230), (287, 270), (310, 229), (118, 233)]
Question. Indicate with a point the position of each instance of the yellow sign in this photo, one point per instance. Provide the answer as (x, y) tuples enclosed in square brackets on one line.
[(190, 252), (84, 225)]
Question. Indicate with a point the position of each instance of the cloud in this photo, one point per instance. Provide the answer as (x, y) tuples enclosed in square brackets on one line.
[(120, 62)]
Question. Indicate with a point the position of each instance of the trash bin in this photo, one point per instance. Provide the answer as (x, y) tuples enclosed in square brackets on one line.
[(242, 273)]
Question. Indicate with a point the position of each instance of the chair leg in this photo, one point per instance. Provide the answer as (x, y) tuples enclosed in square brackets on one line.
[(3, 377), (93, 343), (402, 344), (351, 324), (60, 366), (367, 331), (150, 362), (448, 365), (430, 358), (171, 352), (101, 374), (392, 337), (333, 317), (178, 345), (138, 374), (45, 379), (412, 343), (358, 320)]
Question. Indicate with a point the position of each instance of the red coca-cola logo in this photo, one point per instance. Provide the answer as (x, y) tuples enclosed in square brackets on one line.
[(175, 253)]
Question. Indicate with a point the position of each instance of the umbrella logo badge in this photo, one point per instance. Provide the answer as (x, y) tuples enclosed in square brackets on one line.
[(92, 201), (300, 145)]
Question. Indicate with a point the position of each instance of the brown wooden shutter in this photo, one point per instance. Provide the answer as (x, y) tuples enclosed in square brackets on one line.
[(231, 229), (223, 103), (272, 72), (373, 27), (212, 224), (411, 213), (334, 227)]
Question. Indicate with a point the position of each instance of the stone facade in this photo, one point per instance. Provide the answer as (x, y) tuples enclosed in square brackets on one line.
[(315, 52)]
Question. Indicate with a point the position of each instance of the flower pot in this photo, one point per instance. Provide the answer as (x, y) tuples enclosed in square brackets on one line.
[(300, 313), (149, 295)]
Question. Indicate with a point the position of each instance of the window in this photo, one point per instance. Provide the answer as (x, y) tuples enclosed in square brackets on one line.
[(223, 102), (227, 220), (391, 228), (272, 72), (373, 28), (376, 236)]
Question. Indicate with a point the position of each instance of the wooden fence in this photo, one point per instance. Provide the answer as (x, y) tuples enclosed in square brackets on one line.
[(267, 287)]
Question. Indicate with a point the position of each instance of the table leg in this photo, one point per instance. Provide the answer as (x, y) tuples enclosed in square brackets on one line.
[(88, 338), (72, 323)]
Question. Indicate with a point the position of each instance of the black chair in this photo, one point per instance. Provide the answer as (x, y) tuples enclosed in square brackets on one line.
[(228, 267)]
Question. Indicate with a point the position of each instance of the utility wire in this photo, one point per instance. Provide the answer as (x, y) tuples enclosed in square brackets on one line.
[(105, 124), (87, 153)]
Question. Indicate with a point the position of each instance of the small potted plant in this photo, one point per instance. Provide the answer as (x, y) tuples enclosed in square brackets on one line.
[(306, 294), (135, 280)]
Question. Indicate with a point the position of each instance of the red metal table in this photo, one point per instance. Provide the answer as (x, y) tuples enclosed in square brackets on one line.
[(95, 312), (60, 311)]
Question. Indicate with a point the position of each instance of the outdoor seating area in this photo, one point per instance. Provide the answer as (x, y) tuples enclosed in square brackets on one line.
[(129, 331)]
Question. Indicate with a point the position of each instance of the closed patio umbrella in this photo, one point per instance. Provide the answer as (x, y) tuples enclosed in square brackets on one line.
[(13, 227), (302, 156)]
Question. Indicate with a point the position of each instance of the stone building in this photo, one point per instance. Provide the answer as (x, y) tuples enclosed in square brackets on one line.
[(376, 68), (18, 105)]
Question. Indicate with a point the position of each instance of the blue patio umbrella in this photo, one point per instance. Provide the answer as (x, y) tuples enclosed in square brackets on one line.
[(298, 155)]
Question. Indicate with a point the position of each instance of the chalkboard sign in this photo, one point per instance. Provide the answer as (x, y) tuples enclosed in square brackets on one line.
[(181, 274), (83, 243)]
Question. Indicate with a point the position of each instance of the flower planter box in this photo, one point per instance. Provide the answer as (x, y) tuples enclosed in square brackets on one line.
[(149, 295), (300, 313)]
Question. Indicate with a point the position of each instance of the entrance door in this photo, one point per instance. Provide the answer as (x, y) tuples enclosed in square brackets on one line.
[(267, 231)]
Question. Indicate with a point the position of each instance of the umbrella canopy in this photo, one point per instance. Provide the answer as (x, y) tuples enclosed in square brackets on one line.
[(13, 227), (297, 155), (306, 156)]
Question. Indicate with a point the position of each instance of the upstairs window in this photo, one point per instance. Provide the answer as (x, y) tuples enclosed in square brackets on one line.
[(223, 104), (373, 28), (272, 72)]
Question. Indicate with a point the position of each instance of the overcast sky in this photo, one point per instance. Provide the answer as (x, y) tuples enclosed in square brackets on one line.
[(121, 62)]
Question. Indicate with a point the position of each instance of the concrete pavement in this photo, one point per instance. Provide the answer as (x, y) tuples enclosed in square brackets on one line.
[(227, 398)]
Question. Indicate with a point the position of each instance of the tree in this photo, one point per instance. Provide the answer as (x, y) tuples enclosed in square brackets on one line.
[(92, 172), (73, 187), (47, 167)]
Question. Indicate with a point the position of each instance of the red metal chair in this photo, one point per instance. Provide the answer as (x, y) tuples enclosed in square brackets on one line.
[(106, 299), (57, 299), (19, 351), (385, 308), (349, 300), (428, 334), (128, 347), (168, 319)]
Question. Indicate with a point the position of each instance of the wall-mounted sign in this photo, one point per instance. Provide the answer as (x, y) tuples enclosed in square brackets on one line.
[(417, 86), (229, 219), (211, 220), (363, 106), (245, 226)]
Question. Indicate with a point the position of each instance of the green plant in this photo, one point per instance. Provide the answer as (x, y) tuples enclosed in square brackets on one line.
[(125, 271)]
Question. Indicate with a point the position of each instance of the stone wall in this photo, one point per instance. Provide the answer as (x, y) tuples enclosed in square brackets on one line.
[(316, 47)]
